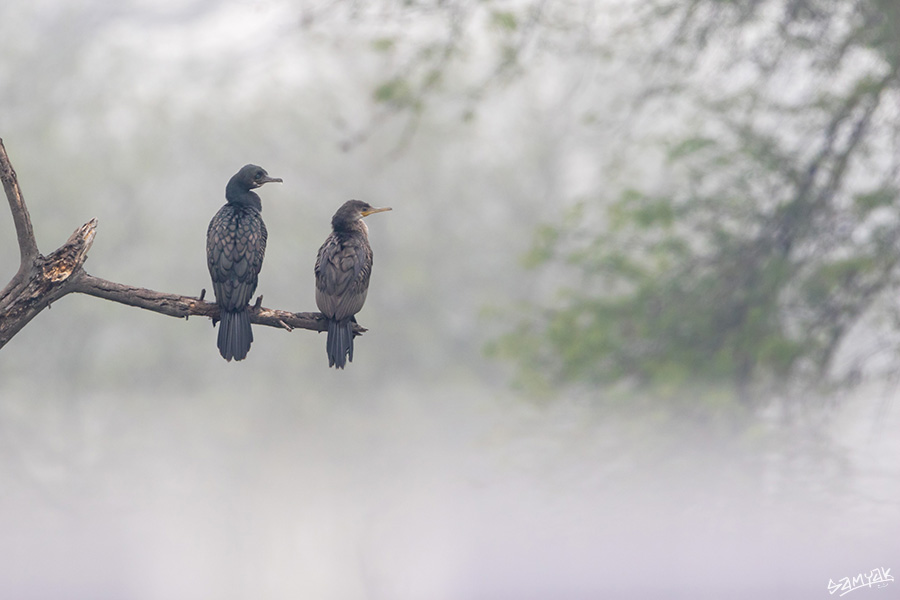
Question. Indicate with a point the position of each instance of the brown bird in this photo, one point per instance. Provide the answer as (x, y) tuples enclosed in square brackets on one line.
[(343, 268)]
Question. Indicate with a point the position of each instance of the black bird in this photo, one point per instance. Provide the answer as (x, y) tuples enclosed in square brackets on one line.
[(343, 268), (235, 246)]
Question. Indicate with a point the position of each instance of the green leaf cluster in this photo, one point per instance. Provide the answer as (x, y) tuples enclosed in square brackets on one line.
[(780, 229), (680, 289)]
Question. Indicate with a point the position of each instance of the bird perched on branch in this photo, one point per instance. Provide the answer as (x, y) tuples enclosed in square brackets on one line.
[(235, 246), (343, 267)]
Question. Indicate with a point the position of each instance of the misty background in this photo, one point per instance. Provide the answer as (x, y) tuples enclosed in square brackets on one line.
[(553, 398)]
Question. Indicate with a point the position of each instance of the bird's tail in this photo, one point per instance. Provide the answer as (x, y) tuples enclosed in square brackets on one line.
[(340, 343), (235, 335)]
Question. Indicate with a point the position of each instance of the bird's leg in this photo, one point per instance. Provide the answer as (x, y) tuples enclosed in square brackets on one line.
[(357, 333)]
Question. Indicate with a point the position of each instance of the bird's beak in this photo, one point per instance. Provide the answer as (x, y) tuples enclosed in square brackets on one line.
[(268, 179), (366, 213)]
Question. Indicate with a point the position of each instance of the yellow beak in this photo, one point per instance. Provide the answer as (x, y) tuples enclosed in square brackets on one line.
[(366, 213)]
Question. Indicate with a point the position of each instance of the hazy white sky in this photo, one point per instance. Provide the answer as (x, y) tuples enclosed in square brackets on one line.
[(136, 464)]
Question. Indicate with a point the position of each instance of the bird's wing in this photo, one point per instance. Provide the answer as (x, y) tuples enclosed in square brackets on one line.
[(235, 248), (343, 267)]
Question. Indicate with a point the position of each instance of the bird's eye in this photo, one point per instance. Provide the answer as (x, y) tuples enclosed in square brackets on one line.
[(258, 175)]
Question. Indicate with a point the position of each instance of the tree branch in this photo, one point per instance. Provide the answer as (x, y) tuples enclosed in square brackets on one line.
[(174, 305), (45, 280), (28, 249), (42, 280)]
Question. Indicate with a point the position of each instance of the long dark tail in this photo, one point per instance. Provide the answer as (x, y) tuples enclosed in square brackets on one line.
[(235, 335), (340, 343)]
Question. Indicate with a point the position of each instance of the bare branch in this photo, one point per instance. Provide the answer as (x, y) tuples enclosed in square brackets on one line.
[(174, 305), (28, 249), (45, 281), (42, 280)]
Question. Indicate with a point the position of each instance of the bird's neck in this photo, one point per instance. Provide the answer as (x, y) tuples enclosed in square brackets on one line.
[(241, 197), (352, 227)]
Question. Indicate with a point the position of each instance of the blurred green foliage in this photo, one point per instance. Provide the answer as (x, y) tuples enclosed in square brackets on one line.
[(777, 230)]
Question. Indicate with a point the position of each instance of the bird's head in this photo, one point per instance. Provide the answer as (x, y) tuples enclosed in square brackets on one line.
[(353, 211), (251, 177)]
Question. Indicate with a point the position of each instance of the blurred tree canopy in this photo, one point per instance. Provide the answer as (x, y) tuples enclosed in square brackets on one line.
[(772, 233)]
